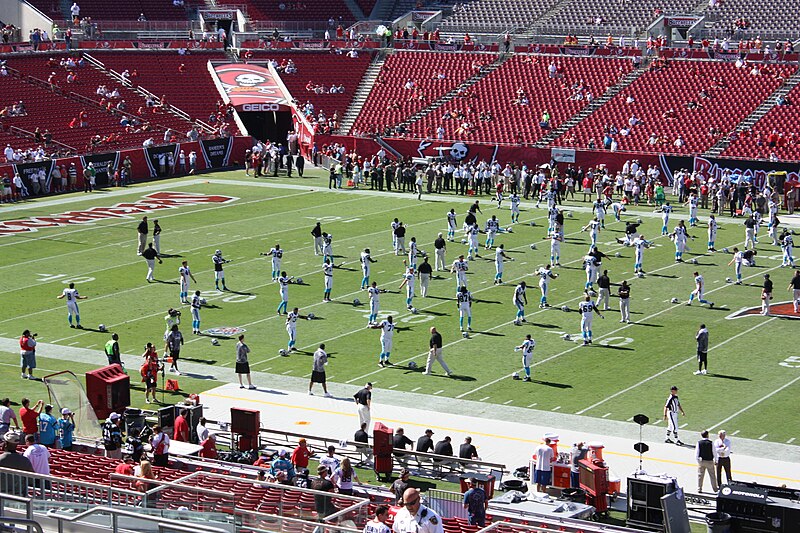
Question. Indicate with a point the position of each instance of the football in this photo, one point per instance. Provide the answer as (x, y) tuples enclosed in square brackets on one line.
[(510, 229), (533, 223), (569, 214), (728, 280), (567, 337), (463, 241), (725, 250), (101, 327), (617, 254), (694, 260), (674, 300), (464, 334), (214, 342), (592, 293), (414, 311), (639, 275), (515, 375), (533, 246)]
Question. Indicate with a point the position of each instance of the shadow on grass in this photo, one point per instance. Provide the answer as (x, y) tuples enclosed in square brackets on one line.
[(733, 378), (552, 384)]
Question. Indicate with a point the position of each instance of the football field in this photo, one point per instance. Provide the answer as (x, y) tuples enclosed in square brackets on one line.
[(754, 366)]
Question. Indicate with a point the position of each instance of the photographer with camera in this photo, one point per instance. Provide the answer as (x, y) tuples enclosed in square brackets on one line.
[(27, 351)]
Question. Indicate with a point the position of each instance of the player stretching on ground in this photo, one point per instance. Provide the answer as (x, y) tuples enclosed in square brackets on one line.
[(526, 348), (185, 275), (72, 297), (586, 308), (699, 288), (520, 301), (387, 332)]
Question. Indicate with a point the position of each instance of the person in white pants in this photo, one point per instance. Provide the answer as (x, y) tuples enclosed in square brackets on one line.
[(624, 293), (440, 252), (435, 353)]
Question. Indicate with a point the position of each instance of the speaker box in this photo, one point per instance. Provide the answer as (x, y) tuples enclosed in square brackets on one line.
[(108, 390), (382, 441), (245, 421), (644, 501)]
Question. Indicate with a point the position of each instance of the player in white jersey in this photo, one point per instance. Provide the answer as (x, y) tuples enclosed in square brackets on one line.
[(451, 225), (291, 328), (787, 243), (712, 232), (593, 227), (618, 208), (395, 223), (679, 237), (173, 318), (665, 211), (366, 259), (699, 289), (590, 265), (492, 227), (184, 275), (586, 308), (196, 305), (758, 218), (408, 283), (526, 348), (772, 229), (555, 248), (599, 208), (464, 304), (460, 267), (378, 524), (412, 252), (552, 220), (374, 303), (276, 254), (71, 296), (737, 260), (693, 202), (520, 301), (387, 332), (514, 199), (545, 274), (472, 239), (639, 244), (219, 273), (327, 272), (327, 246), (499, 256), (283, 289)]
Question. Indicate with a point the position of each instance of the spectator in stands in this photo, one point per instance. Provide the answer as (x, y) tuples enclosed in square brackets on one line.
[(112, 436), (47, 427), (400, 485), (11, 459), (400, 441), (476, 503), (425, 442), (282, 468), (344, 476), (144, 476), (160, 444), (201, 429), (182, 431), (324, 504), (38, 455), (134, 445), (209, 447), (467, 450), (7, 414), (301, 454), (444, 447), (30, 417)]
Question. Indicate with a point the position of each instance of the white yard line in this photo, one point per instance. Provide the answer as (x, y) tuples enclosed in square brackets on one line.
[(745, 409)]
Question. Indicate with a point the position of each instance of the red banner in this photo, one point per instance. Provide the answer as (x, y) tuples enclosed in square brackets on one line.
[(252, 88)]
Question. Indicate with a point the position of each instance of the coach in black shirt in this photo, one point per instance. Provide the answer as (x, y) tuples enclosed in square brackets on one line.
[(467, 450), (143, 231), (425, 442)]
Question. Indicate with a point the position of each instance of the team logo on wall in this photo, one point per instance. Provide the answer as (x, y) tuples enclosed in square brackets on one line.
[(226, 331), (457, 151), (249, 80), (781, 310)]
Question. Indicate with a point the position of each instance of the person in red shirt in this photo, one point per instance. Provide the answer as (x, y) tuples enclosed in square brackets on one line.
[(30, 417), (209, 447), (301, 454), (181, 427), (125, 468)]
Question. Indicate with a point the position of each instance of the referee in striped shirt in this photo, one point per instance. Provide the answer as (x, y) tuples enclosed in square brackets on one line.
[(671, 408)]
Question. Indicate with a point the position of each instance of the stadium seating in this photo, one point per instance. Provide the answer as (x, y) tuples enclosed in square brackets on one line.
[(366, 6), (783, 120), (324, 69), (306, 10), (656, 92), (520, 123), (615, 16), (763, 19), (495, 16), (422, 68), (100, 10)]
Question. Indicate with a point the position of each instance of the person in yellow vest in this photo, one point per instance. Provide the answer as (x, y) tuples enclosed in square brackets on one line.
[(112, 350)]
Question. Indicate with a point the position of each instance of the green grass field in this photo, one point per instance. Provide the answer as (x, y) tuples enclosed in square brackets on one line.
[(627, 370)]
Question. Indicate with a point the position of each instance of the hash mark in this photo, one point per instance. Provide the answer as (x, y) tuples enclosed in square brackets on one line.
[(606, 415), (72, 343), (630, 419), (790, 440), (484, 399), (533, 405), (287, 372), (683, 425), (556, 408), (762, 436), (438, 392), (393, 386), (645, 299), (415, 389), (734, 433), (657, 422), (507, 402)]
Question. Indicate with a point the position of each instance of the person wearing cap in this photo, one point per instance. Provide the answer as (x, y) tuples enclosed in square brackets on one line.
[(363, 399), (38, 455), (671, 409), (112, 436), (16, 485), (475, 503), (415, 517), (301, 454), (425, 442), (27, 351), (282, 464), (47, 427), (7, 414), (65, 426), (323, 503), (766, 295), (400, 485), (330, 460), (30, 417), (577, 454)]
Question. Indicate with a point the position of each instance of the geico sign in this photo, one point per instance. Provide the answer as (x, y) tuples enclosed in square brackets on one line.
[(261, 107)]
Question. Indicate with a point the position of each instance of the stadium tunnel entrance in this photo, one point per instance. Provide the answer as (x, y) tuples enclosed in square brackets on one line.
[(267, 122)]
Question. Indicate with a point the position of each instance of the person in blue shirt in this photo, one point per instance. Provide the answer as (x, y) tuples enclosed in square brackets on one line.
[(47, 427), (283, 464), (66, 428)]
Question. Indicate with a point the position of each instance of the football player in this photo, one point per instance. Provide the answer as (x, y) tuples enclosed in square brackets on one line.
[(71, 296), (374, 303), (366, 259), (499, 255), (699, 288), (291, 328), (184, 275), (665, 211), (520, 301), (526, 348), (219, 273), (460, 267), (586, 308), (408, 283), (283, 289), (196, 305), (738, 258), (545, 274), (387, 332), (327, 271), (277, 254), (464, 303)]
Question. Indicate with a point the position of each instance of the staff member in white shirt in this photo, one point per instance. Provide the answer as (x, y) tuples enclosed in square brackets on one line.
[(415, 517), (722, 453)]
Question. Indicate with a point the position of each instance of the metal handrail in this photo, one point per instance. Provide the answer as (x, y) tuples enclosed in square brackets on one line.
[(163, 524), (29, 524)]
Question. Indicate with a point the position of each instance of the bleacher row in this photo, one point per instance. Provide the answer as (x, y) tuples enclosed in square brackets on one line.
[(658, 101)]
